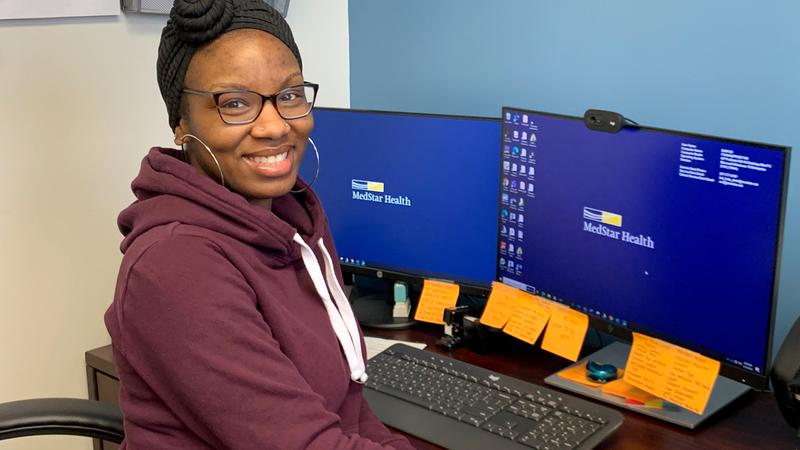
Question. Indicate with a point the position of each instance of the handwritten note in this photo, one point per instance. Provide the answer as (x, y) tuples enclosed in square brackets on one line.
[(529, 319), (565, 332), (500, 306), (435, 297), (673, 373)]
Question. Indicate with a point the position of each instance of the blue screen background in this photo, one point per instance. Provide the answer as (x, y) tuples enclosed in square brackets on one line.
[(445, 166), (708, 281)]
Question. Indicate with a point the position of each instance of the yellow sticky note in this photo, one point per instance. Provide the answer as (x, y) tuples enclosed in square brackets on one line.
[(500, 306), (565, 332), (530, 317), (435, 297), (675, 374)]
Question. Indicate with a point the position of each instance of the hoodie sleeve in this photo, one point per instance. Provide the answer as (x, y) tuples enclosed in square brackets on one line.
[(371, 427), (190, 328)]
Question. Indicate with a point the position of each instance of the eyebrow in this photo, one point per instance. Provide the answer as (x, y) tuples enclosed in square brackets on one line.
[(247, 88)]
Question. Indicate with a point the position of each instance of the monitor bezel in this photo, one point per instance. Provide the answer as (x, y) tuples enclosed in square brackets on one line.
[(756, 380), (410, 276)]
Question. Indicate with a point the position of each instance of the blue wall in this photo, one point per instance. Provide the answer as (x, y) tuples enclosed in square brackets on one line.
[(722, 68)]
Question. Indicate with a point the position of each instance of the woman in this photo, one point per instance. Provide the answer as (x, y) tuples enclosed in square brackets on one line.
[(229, 325)]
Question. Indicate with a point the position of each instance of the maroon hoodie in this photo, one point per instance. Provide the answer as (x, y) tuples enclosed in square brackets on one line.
[(219, 336)]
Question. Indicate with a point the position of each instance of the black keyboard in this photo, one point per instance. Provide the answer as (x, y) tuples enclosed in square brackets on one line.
[(461, 406)]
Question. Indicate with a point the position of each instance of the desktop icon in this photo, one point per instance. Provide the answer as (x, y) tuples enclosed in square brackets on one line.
[(506, 149), (503, 230), (515, 118), (521, 218), (508, 116), (515, 151), (511, 248), (533, 138), (514, 167), (513, 217), (524, 136), (522, 170), (504, 213), (530, 187), (503, 246), (510, 264), (516, 134), (505, 197), (519, 235), (524, 118), (502, 262), (521, 203), (521, 185), (506, 165), (505, 182), (514, 184), (512, 232), (519, 252), (524, 153), (513, 203)]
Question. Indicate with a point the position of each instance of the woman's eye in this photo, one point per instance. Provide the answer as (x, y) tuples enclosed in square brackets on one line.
[(234, 103), (289, 96)]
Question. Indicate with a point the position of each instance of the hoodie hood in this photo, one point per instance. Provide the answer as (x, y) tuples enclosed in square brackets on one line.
[(168, 190)]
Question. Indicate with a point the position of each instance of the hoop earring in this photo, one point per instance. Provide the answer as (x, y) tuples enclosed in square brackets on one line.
[(185, 152), (316, 175)]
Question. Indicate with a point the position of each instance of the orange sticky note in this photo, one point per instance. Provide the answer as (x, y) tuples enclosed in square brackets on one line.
[(529, 319), (500, 306), (565, 332), (622, 388), (680, 376), (435, 297), (577, 373)]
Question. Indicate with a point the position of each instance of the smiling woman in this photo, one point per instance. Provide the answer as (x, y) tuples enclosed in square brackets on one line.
[(224, 250)]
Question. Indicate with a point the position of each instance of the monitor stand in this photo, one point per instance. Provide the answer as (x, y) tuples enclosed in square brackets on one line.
[(374, 310), (724, 392)]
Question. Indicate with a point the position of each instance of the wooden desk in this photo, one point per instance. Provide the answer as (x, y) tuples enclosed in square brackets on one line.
[(751, 422)]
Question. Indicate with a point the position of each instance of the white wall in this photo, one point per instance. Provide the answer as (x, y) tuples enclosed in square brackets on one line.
[(79, 107)]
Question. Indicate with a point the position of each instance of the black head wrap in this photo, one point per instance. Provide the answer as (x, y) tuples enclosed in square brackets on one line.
[(194, 23)]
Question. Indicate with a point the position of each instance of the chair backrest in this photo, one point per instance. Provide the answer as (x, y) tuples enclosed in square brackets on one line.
[(64, 416)]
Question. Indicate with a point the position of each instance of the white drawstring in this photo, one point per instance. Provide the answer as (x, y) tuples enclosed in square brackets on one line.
[(341, 302), (342, 318)]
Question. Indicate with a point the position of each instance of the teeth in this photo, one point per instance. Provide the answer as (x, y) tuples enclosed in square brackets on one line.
[(274, 159)]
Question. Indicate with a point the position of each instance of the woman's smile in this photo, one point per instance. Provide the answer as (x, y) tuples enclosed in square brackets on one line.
[(271, 164)]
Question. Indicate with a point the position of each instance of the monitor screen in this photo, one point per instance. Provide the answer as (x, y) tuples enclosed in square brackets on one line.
[(671, 234), (409, 195)]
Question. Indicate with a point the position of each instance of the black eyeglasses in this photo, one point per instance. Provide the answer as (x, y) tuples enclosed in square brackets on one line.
[(239, 107)]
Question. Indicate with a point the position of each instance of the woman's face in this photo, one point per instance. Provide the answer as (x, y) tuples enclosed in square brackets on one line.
[(259, 160)]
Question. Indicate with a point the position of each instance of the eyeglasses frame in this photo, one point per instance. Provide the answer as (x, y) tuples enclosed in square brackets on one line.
[(264, 99)]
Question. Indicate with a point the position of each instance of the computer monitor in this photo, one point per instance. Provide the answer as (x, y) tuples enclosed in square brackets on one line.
[(674, 235), (409, 196)]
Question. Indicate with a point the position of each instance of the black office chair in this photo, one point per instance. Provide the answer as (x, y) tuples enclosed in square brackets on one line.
[(62, 416)]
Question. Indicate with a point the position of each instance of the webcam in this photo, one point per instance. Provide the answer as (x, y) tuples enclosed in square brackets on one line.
[(607, 121)]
